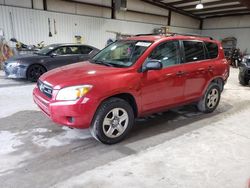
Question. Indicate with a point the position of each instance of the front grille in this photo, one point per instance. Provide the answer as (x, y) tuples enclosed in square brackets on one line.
[(45, 89)]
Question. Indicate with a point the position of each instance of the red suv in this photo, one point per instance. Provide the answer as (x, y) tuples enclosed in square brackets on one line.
[(132, 78)]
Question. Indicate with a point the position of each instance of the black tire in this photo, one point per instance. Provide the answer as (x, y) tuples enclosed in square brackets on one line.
[(208, 103), (34, 72), (98, 128), (243, 81)]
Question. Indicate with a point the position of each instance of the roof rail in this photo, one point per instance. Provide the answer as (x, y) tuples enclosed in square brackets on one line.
[(173, 34), (148, 34), (190, 34)]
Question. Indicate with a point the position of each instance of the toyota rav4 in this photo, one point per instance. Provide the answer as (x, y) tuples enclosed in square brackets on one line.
[(132, 78)]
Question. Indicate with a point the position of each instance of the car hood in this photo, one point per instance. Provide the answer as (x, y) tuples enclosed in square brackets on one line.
[(24, 58), (78, 74)]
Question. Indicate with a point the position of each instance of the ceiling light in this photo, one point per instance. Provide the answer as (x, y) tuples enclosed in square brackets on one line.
[(199, 6)]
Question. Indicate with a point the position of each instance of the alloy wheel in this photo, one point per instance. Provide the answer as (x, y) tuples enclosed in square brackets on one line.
[(115, 122)]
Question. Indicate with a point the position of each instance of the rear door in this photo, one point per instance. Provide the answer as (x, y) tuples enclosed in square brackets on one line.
[(197, 65), (162, 88)]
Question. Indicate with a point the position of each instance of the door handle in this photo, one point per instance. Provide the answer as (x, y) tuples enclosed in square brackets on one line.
[(180, 73)]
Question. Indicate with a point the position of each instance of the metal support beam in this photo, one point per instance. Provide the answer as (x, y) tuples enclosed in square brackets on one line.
[(201, 24), (113, 11), (45, 5), (169, 17)]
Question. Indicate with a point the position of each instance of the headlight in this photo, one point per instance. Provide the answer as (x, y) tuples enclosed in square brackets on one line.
[(73, 93), (14, 63)]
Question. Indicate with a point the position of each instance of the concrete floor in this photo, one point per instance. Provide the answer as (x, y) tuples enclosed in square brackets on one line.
[(178, 148)]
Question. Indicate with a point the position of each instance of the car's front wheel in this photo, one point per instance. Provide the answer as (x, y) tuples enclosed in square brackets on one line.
[(34, 72), (113, 120), (211, 99)]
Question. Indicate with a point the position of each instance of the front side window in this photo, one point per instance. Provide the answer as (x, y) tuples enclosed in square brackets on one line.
[(194, 51), (47, 49), (121, 53), (65, 50), (167, 53)]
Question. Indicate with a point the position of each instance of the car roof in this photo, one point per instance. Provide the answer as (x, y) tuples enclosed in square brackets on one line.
[(55, 45), (69, 44)]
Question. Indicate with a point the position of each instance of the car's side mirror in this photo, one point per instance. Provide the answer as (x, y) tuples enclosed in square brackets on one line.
[(53, 55), (151, 65)]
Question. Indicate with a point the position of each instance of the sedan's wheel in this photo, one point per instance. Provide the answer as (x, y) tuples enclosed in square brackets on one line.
[(112, 121), (34, 72), (211, 99)]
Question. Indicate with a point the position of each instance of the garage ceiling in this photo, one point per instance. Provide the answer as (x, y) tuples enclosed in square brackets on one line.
[(212, 8)]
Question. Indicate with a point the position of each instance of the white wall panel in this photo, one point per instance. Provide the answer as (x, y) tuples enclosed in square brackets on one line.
[(93, 11), (20, 3), (59, 6), (140, 6), (98, 2), (140, 17), (179, 20), (38, 4), (31, 26), (227, 22)]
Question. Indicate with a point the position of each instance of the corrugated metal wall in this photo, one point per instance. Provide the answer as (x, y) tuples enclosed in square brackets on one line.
[(31, 26)]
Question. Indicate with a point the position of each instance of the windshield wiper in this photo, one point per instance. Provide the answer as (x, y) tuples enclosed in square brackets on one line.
[(102, 63)]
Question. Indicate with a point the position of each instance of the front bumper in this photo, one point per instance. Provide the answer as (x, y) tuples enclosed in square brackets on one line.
[(15, 71), (75, 114)]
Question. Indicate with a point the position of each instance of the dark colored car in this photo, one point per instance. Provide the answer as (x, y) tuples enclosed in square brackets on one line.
[(244, 73), (32, 66), (132, 78)]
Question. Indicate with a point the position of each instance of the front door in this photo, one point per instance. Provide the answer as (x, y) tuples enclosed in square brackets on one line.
[(63, 56), (163, 88)]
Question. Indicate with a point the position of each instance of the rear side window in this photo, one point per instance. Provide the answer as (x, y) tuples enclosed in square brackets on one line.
[(212, 49), (194, 51), (85, 50)]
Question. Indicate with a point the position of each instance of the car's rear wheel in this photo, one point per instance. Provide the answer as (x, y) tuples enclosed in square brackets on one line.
[(113, 120), (34, 72), (211, 99)]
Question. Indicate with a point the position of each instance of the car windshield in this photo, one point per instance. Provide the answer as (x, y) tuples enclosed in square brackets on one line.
[(122, 53), (46, 49)]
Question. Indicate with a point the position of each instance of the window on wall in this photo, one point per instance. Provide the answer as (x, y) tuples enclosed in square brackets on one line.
[(167, 53), (212, 49), (194, 51)]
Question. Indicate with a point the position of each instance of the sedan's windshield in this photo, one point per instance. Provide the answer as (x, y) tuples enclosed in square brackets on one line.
[(46, 49), (121, 53)]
